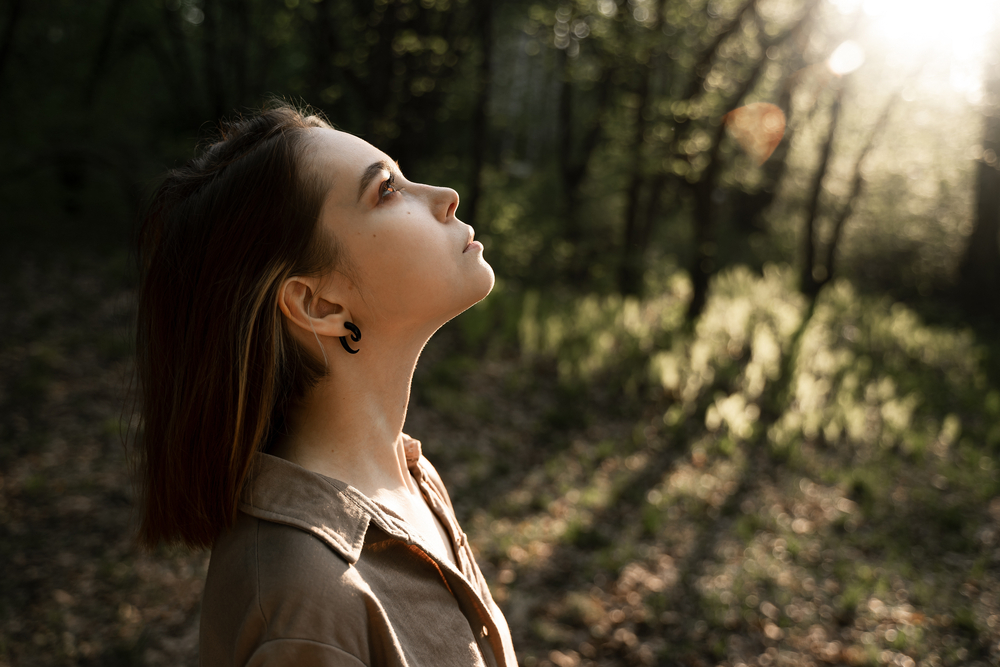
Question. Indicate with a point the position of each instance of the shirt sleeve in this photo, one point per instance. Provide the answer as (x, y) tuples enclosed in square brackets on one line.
[(283, 652)]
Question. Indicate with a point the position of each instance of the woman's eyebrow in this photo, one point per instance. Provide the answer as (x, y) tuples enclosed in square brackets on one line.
[(373, 170)]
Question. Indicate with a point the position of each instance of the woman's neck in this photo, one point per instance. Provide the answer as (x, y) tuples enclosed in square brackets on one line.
[(349, 426)]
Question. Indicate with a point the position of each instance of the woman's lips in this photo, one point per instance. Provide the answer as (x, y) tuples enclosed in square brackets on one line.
[(475, 245)]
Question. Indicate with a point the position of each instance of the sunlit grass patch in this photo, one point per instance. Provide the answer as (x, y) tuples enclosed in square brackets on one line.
[(815, 486), (594, 334)]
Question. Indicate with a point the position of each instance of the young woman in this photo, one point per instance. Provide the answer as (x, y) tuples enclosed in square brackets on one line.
[(290, 278)]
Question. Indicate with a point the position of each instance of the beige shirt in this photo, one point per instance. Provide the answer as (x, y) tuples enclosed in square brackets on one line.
[(316, 573)]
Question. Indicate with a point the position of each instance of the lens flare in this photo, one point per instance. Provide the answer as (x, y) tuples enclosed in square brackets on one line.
[(757, 128), (846, 58)]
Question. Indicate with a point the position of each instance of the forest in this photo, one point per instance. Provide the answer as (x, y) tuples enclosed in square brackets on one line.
[(735, 397)]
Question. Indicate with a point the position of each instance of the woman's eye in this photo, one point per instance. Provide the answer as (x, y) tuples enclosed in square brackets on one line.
[(387, 188)]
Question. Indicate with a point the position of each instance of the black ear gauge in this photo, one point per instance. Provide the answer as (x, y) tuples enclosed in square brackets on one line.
[(355, 336)]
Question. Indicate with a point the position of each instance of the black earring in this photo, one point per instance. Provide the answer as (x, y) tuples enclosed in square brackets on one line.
[(355, 336)]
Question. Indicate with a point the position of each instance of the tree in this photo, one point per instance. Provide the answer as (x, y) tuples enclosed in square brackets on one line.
[(979, 272), (9, 30), (699, 133)]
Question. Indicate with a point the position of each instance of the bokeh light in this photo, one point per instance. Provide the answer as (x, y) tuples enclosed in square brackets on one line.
[(846, 58)]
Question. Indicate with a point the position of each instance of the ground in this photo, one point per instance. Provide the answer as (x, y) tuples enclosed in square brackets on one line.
[(781, 486)]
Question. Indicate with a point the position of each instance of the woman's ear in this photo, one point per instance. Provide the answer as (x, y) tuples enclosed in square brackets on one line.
[(301, 302)]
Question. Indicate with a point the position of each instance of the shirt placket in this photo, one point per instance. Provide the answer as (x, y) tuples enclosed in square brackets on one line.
[(463, 554)]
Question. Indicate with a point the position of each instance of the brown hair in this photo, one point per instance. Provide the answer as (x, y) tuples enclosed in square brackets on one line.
[(217, 369)]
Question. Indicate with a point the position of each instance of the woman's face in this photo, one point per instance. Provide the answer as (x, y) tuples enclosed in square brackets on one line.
[(414, 262)]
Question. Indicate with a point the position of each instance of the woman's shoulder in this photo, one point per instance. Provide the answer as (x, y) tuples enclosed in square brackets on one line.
[(270, 582), (274, 559), (283, 578)]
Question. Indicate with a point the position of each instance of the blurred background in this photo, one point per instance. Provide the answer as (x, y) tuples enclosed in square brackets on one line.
[(735, 398)]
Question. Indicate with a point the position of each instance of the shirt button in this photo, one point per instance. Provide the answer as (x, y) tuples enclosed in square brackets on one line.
[(486, 631)]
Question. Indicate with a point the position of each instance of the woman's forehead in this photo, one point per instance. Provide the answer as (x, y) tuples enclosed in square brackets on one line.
[(339, 158)]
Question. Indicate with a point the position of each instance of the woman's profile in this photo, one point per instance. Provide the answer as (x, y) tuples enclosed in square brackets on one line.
[(290, 277)]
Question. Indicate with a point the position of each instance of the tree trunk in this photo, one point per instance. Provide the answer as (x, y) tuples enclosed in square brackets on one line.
[(213, 75), (480, 120), (574, 157), (378, 91), (703, 262), (564, 122), (979, 272), (632, 270), (103, 50), (183, 70), (857, 185), (812, 277), (7, 42), (979, 269), (240, 9)]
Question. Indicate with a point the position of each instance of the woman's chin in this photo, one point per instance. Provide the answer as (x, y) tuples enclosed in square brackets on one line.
[(489, 281), (476, 289)]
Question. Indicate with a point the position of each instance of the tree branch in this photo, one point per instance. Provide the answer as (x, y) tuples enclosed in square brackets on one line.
[(857, 184), (701, 68)]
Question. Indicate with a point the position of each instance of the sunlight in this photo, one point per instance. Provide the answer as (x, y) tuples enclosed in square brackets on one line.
[(955, 24), (846, 58), (956, 31)]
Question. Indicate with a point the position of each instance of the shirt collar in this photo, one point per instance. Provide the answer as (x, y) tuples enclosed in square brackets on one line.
[(333, 511)]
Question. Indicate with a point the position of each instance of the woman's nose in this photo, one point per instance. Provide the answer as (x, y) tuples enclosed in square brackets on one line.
[(446, 203)]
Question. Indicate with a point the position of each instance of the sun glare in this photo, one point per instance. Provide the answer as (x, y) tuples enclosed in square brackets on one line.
[(846, 58), (956, 31)]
